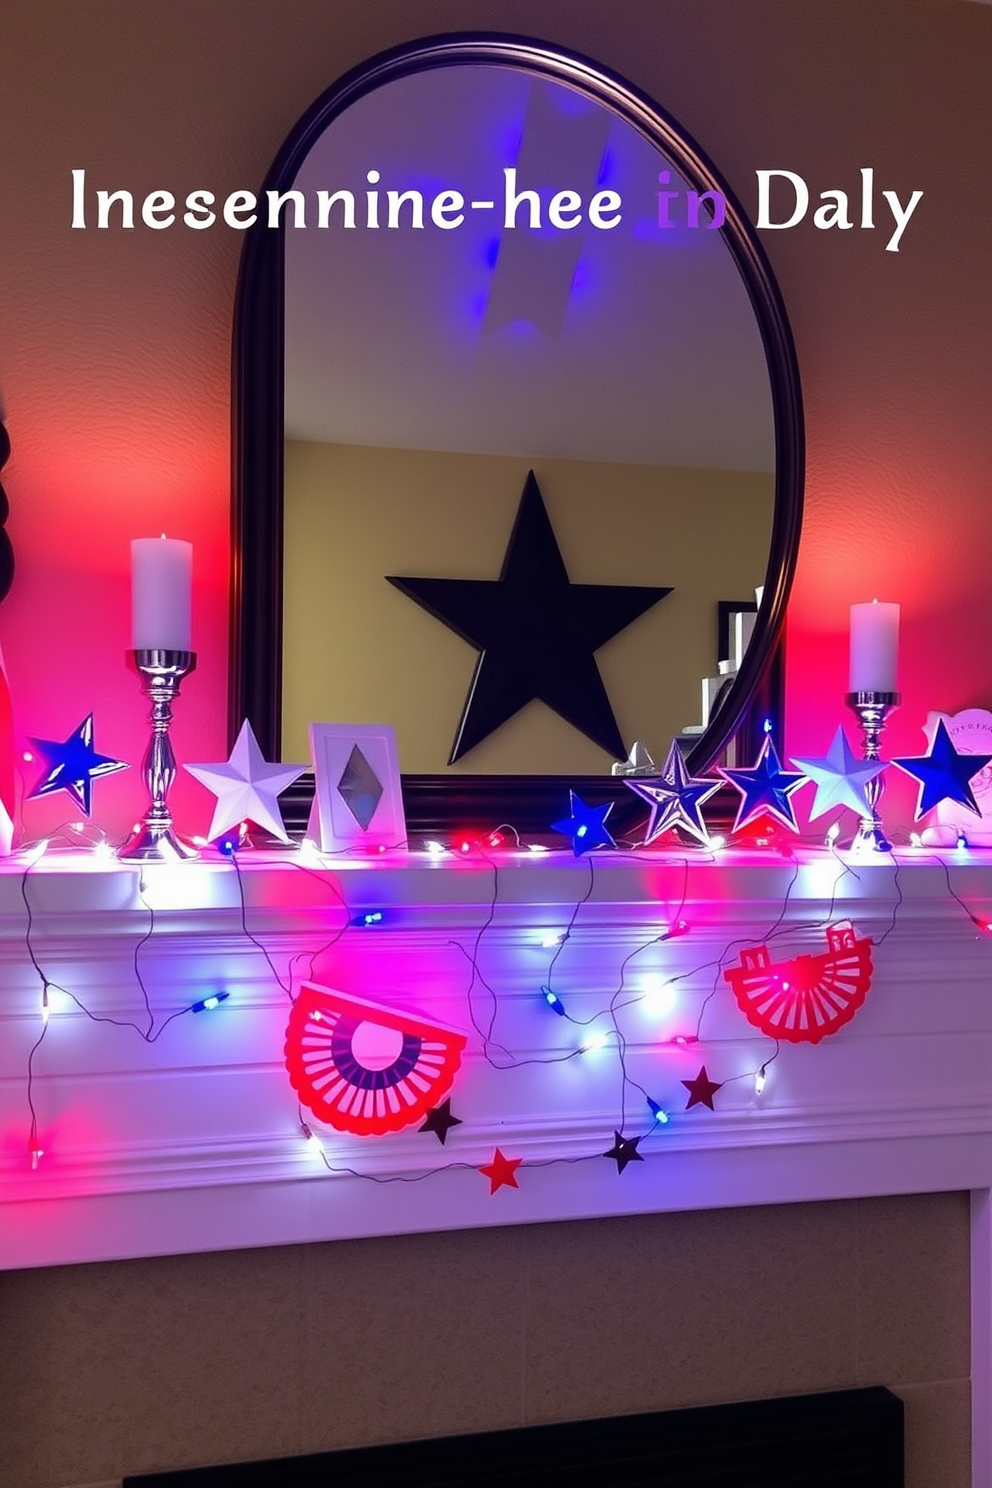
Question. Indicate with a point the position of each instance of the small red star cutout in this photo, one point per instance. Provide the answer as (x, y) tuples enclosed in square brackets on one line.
[(702, 1090), (501, 1171)]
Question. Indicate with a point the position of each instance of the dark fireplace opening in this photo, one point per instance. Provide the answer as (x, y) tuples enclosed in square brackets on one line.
[(844, 1439)]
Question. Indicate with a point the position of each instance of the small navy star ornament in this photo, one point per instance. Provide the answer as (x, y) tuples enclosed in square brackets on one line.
[(944, 774), (74, 765), (585, 826)]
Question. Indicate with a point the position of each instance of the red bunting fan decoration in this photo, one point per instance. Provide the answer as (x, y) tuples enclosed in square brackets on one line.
[(364, 1068), (809, 997)]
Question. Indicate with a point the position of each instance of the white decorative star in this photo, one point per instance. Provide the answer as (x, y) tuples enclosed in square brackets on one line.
[(839, 777), (246, 787)]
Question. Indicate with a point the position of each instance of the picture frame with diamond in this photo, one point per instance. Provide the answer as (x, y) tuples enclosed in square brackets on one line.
[(358, 799)]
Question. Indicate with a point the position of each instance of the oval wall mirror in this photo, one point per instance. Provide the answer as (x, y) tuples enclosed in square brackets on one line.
[(518, 444)]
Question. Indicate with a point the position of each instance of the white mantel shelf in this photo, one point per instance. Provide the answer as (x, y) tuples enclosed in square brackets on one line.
[(193, 1142)]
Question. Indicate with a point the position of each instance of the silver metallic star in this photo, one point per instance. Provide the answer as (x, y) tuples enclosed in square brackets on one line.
[(675, 798), (246, 787), (839, 777)]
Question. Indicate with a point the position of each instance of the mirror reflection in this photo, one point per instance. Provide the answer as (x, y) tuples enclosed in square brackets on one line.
[(512, 280)]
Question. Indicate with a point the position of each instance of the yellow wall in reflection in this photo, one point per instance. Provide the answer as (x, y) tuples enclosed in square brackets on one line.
[(356, 650)]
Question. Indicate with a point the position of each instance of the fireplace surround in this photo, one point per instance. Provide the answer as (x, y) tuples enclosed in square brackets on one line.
[(853, 1437), (195, 1146)]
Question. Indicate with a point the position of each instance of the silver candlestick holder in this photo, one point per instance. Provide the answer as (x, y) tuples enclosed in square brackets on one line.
[(873, 709), (153, 840)]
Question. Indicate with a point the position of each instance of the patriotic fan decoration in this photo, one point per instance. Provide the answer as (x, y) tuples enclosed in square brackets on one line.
[(803, 1000), (364, 1068)]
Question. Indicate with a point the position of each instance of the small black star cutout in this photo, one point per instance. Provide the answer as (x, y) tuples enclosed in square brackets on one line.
[(536, 631), (440, 1121), (624, 1151)]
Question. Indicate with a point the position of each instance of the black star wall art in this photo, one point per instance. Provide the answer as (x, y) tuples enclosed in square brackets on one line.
[(536, 632)]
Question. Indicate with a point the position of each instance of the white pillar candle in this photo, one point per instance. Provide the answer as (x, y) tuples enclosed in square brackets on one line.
[(161, 594), (874, 647)]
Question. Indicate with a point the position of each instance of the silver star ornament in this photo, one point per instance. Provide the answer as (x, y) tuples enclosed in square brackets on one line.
[(246, 787), (674, 797), (840, 778)]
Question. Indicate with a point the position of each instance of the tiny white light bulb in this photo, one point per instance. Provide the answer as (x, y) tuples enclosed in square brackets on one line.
[(718, 842), (434, 849), (314, 1145), (594, 1042), (759, 1081), (659, 993), (833, 832)]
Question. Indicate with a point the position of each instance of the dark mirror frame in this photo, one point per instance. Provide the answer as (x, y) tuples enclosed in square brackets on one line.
[(6, 550), (441, 803)]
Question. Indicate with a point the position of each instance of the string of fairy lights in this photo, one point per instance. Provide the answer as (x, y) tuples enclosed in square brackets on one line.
[(639, 1114)]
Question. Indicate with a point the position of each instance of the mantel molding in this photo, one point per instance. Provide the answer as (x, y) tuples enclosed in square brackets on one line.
[(193, 1141)]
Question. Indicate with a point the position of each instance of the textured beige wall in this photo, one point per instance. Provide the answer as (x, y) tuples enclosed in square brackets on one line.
[(139, 1366), (355, 513)]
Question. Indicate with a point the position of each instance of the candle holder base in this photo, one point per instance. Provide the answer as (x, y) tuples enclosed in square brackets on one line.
[(151, 844), (153, 840), (873, 709), (869, 838)]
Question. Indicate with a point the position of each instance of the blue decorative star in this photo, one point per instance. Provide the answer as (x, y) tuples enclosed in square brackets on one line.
[(675, 798), (765, 789), (74, 765), (944, 774), (585, 826), (840, 777)]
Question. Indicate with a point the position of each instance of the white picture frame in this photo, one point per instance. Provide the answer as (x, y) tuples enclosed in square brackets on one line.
[(358, 798)]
